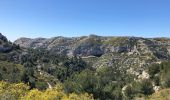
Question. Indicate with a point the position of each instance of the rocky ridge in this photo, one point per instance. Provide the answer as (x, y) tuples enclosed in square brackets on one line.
[(97, 45), (132, 54)]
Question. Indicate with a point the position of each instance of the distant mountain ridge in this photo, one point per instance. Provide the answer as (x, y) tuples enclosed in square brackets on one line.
[(93, 45)]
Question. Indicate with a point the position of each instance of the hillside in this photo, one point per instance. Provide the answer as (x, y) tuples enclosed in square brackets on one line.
[(131, 53), (116, 68)]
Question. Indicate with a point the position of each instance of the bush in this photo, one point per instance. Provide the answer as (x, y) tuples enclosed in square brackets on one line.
[(129, 93), (154, 69), (165, 79), (41, 85), (143, 87), (11, 72)]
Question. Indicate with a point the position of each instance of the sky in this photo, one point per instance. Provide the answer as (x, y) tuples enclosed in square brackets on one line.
[(70, 18)]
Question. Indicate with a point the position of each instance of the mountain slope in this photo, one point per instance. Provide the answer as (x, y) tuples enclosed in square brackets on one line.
[(106, 51)]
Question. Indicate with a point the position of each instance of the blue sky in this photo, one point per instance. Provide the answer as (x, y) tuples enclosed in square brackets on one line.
[(48, 18)]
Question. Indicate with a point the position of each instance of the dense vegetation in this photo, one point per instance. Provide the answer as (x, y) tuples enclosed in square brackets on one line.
[(160, 74), (75, 76), (11, 72)]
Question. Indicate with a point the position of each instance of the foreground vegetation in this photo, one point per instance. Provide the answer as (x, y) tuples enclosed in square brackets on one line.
[(75, 78), (161, 95), (21, 91)]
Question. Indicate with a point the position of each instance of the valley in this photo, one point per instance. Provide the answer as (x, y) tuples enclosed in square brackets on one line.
[(86, 67)]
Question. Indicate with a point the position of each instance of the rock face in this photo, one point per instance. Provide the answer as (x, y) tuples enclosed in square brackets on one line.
[(81, 46), (27, 42)]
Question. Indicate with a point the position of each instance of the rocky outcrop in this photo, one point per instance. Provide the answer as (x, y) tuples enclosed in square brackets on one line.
[(5, 45), (144, 75), (2, 37)]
